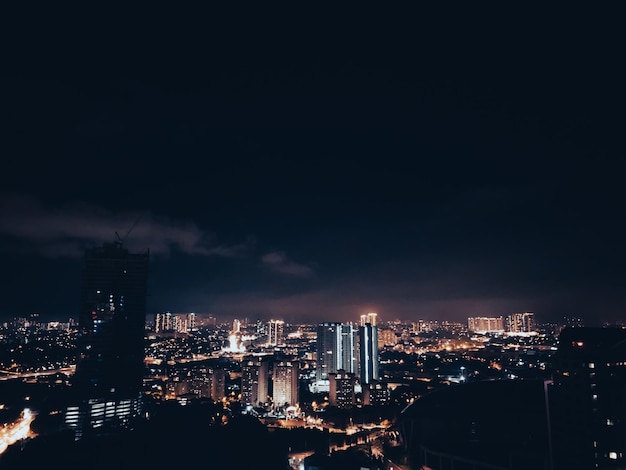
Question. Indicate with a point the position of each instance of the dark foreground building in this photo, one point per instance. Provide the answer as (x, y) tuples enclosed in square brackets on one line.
[(588, 399), (577, 420), (495, 425), (107, 385), (193, 436)]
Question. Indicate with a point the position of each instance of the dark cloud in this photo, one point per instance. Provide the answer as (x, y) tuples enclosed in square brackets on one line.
[(66, 230), (277, 261)]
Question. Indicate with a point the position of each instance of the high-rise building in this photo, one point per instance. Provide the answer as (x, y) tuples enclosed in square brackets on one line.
[(336, 349), (520, 323), (485, 324), (254, 381), (376, 393), (275, 332), (217, 380), (285, 383), (107, 384), (368, 353), (163, 322), (191, 321), (586, 399), (368, 318), (341, 389)]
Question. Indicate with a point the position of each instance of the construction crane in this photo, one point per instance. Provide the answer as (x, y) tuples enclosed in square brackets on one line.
[(120, 240)]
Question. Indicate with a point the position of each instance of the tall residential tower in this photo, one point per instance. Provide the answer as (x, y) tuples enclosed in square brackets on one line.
[(107, 384)]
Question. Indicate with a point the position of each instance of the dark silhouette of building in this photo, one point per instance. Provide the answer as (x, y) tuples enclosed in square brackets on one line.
[(495, 425), (107, 384), (588, 399), (199, 435)]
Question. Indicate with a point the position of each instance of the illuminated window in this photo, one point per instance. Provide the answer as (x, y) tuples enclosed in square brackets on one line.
[(613, 455), (609, 422), (591, 365)]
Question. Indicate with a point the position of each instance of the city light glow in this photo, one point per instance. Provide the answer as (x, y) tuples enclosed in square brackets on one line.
[(16, 431)]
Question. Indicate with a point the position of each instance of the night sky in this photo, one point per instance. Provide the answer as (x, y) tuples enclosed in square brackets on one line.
[(317, 169)]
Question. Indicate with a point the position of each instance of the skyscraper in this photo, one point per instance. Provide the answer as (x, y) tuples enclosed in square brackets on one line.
[(336, 349), (285, 383), (368, 353), (275, 332), (107, 384), (254, 381), (369, 318)]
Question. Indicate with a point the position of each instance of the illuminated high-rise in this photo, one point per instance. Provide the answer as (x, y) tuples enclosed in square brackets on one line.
[(341, 389), (254, 381), (107, 384), (275, 332), (520, 323), (285, 383), (368, 353), (336, 349), (368, 318), (163, 322), (486, 324)]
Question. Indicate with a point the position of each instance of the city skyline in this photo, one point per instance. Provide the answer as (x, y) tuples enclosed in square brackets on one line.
[(407, 170)]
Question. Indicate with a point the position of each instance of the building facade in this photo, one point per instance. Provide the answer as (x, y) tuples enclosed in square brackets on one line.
[(485, 324), (342, 389), (368, 353), (275, 332), (336, 349), (107, 384), (254, 381), (285, 383), (586, 399)]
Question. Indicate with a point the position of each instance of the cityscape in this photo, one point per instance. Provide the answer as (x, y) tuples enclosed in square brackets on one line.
[(314, 239), (374, 393)]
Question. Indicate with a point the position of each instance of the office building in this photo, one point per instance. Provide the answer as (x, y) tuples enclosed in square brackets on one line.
[(368, 353), (336, 349), (107, 384)]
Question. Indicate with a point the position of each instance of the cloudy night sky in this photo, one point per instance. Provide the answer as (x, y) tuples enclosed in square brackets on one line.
[(416, 168)]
